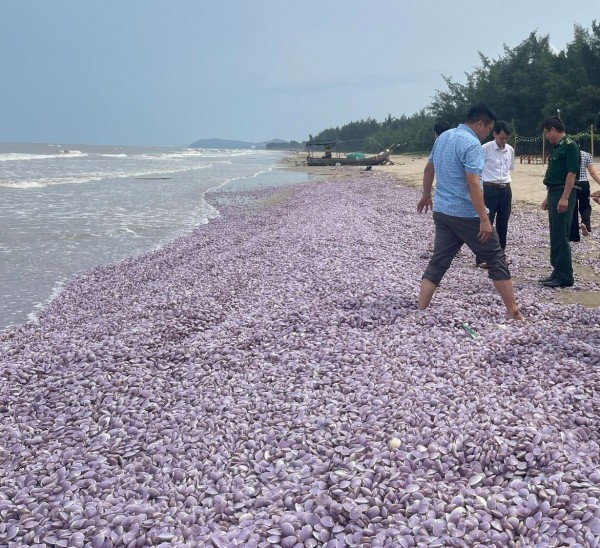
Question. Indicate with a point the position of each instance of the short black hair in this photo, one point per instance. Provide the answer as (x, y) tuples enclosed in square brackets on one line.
[(554, 122), (481, 111), (440, 126), (502, 126)]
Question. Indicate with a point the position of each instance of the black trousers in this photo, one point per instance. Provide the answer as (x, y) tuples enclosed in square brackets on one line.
[(583, 207), (499, 203)]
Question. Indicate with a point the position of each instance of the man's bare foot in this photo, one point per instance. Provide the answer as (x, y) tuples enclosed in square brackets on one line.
[(514, 315), (584, 229)]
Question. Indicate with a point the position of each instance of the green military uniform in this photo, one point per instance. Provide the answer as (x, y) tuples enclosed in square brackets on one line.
[(564, 159)]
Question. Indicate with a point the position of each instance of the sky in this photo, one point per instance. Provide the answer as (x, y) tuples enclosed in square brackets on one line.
[(169, 72)]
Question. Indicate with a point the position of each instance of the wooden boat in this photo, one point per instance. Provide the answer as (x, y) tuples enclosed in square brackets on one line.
[(331, 157)]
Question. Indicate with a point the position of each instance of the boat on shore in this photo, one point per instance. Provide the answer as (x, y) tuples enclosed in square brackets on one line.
[(332, 157)]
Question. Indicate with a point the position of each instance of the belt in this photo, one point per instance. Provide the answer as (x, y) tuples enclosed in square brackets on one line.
[(561, 187), (497, 185)]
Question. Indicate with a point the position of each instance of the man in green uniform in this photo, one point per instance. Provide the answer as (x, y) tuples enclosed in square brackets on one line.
[(561, 174)]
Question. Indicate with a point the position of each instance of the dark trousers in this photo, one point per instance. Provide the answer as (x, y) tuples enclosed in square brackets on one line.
[(560, 226), (499, 203), (450, 234), (583, 208)]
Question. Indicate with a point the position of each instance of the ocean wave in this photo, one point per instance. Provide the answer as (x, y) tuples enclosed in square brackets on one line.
[(22, 185), (241, 178), (186, 153), (204, 153), (39, 307), (21, 157), (98, 176)]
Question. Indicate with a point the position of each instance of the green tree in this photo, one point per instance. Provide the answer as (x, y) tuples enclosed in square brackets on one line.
[(514, 86), (574, 86), (524, 85)]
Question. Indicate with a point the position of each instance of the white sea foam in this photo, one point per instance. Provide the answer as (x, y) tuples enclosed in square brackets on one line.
[(234, 179), (39, 307), (22, 185), (210, 153), (15, 156), (99, 176)]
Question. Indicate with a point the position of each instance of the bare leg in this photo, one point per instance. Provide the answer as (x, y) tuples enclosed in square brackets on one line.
[(426, 293), (507, 293)]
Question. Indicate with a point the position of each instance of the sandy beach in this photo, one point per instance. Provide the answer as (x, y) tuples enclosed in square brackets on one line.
[(527, 178), (526, 185)]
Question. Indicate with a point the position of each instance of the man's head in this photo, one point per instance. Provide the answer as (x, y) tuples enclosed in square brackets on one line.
[(554, 129), (439, 127), (480, 119), (502, 131)]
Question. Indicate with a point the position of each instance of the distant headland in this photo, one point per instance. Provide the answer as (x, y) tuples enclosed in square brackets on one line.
[(273, 144)]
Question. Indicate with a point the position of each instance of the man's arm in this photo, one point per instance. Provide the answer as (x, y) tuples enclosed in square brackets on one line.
[(476, 195), (563, 203), (572, 164), (592, 171), (426, 202)]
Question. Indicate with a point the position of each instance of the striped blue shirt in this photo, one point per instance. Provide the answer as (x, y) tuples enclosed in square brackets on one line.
[(454, 153)]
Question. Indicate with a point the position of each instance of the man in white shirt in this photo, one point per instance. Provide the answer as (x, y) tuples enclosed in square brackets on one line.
[(497, 194)]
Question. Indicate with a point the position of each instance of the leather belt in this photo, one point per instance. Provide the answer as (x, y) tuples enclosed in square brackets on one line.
[(562, 187), (497, 185)]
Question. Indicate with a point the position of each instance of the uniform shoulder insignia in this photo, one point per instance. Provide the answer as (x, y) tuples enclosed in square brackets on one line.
[(568, 141)]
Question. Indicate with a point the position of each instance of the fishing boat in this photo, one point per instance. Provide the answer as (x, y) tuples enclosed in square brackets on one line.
[(331, 157)]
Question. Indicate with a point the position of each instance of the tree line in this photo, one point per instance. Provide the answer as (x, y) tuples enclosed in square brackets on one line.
[(525, 85)]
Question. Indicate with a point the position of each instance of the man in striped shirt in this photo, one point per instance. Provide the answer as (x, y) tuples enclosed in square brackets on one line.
[(583, 206)]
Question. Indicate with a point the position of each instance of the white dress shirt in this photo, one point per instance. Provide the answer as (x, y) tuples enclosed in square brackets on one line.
[(499, 162)]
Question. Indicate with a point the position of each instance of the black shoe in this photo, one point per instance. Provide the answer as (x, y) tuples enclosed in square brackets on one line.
[(556, 283), (547, 279)]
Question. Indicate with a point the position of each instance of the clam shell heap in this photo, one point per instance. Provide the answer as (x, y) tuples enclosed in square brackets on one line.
[(268, 381)]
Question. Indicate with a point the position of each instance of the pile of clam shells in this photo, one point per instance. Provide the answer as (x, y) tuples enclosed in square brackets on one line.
[(267, 380)]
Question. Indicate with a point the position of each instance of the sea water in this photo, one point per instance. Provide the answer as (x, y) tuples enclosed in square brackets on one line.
[(67, 208)]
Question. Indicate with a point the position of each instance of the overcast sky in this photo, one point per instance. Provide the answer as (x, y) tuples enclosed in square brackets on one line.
[(169, 72)]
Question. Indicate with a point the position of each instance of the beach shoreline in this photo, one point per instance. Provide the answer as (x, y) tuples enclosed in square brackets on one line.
[(65, 211)]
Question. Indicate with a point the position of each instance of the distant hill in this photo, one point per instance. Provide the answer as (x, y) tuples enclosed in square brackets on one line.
[(228, 143), (224, 143)]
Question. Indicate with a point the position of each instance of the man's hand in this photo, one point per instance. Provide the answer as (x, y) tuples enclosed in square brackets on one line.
[(485, 229), (596, 196), (425, 203), (563, 205), (544, 204)]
